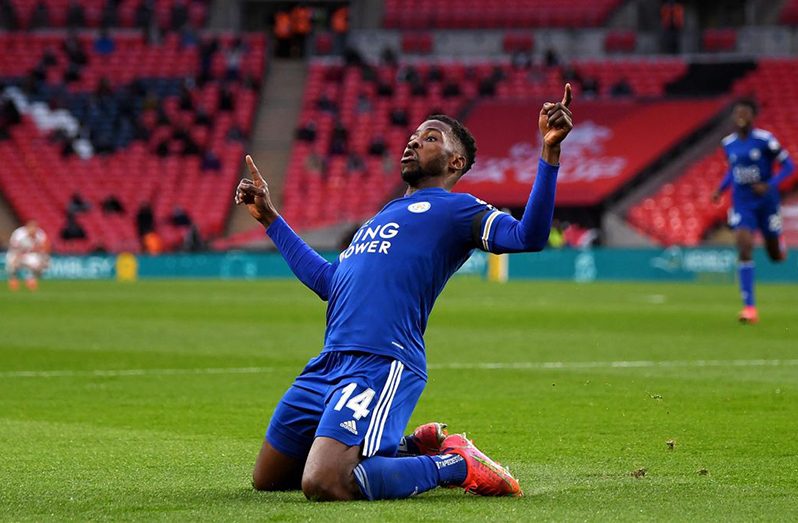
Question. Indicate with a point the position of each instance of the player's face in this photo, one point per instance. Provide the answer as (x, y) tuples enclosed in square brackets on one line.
[(742, 116), (427, 153)]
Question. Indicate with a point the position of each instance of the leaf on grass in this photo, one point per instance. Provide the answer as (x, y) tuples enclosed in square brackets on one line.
[(639, 473)]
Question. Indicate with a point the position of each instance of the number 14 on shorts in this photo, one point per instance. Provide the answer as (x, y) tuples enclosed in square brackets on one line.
[(359, 404)]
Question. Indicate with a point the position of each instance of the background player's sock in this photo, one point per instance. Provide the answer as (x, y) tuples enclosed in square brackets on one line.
[(746, 273), (395, 478)]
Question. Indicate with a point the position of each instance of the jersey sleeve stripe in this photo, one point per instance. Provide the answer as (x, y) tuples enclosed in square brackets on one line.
[(369, 443), (486, 229)]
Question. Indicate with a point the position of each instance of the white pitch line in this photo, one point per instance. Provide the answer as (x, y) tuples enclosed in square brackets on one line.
[(521, 365)]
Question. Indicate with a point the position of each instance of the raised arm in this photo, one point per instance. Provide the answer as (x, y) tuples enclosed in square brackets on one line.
[(531, 233), (310, 268)]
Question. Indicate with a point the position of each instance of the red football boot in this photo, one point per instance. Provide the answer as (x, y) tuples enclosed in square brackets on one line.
[(428, 438), (749, 315), (484, 476)]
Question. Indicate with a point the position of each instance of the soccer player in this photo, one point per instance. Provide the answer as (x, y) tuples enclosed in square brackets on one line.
[(27, 249), (336, 431), (751, 153)]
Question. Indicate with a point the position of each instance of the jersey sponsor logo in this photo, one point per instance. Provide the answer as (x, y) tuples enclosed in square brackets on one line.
[(350, 425), (372, 240), (755, 154), (746, 174), (419, 207)]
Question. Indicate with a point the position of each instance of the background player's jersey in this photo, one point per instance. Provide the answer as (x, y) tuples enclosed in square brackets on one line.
[(22, 241), (751, 161), (387, 280)]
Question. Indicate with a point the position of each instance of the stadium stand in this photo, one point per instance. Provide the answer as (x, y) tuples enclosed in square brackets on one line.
[(680, 212), (472, 14), (789, 13), (325, 185), (154, 138), (168, 14)]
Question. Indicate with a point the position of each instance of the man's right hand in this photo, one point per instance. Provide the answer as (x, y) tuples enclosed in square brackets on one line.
[(254, 194)]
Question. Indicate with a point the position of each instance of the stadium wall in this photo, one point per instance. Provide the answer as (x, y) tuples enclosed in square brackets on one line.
[(671, 264)]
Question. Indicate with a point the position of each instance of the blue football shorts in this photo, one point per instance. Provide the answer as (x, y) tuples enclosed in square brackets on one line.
[(357, 398), (763, 216)]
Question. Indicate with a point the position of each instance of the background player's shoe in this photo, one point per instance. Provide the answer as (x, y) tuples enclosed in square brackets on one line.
[(485, 477), (13, 284), (749, 314)]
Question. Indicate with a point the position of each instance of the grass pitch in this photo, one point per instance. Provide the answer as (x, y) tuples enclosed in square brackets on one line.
[(149, 401)]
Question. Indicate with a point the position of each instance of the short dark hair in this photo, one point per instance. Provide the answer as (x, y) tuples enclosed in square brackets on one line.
[(748, 102), (463, 135)]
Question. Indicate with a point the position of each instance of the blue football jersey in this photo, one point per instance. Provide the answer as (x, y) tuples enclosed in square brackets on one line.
[(387, 280), (751, 161)]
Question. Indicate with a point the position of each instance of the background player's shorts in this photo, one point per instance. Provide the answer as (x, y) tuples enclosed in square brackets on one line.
[(764, 216), (29, 260), (353, 397)]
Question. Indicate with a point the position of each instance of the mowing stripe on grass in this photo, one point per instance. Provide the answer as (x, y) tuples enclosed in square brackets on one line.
[(521, 365)]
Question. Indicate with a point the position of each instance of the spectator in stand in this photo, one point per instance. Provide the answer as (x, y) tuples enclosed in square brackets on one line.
[(301, 28), (74, 50), (145, 221), (108, 16), (590, 87), (487, 87), (76, 16), (451, 90), (338, 140), (435, 73), (207, 50), (377, 146), (8, 16), (104, 45), (180, 217), (315, 164), (185, 99), (550, 58), (326, 104), (226, 98), (233, 57), (192, 241), (152, 243), (77, 204), (236, 134), (521, 60), (143, 15), (179, 15), (307, 132), (210, 161), (72, 230), (621, 88), (283, 34), (354, 162), (41, 16), (388, 57), (672, 19), (409, 74), (384, 90), (363, 103), (399, 117), (340, 27), (556, 236), (112, 205)]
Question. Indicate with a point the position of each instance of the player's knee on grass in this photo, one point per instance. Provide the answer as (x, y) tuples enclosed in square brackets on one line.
[(328, 474)]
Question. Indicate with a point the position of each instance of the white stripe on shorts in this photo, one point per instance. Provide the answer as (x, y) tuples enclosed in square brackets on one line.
[(380, 413)]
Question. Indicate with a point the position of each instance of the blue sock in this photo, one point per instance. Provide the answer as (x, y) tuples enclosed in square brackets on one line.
[(396, 478), (746, 271)]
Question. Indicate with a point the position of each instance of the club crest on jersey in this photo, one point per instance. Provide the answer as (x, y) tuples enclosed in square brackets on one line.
[(419, 207), (755, 154)]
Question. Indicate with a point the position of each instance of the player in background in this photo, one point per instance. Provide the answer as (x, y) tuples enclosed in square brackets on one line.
[(336, 432), (751, 153), (27, 249)]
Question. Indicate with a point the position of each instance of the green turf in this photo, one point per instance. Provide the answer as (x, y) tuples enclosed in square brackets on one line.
[(166, 445)]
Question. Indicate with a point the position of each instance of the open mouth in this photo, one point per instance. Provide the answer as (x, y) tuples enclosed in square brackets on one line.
[(409, 157)]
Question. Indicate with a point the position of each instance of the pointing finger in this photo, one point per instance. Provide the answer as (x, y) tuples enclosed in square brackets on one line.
[(567, 96), (253, 171)]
